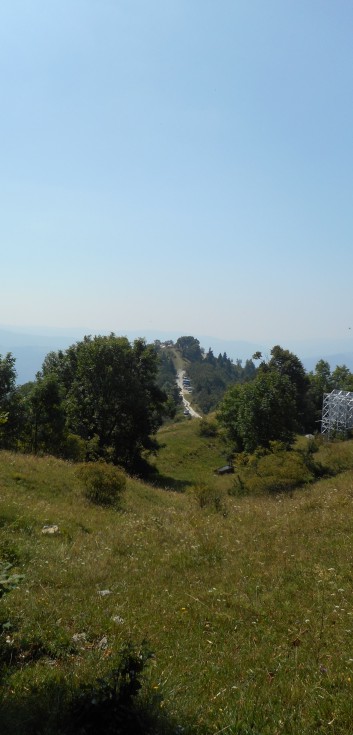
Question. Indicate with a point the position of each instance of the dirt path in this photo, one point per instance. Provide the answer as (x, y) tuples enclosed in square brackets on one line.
[(187, 404)]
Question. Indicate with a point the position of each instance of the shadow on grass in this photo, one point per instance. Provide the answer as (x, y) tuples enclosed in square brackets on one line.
[(169, 483), (117, 704), (53, 710)]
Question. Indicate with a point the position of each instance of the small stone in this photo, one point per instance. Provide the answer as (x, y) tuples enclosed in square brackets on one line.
[(50, 529), (103, 643), (79, 638), (104, 593), (118, 620)]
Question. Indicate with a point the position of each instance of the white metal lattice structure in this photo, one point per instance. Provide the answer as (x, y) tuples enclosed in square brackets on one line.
[(337, 412)]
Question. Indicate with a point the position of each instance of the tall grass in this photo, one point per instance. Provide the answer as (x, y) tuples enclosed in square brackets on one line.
[(248, 607)]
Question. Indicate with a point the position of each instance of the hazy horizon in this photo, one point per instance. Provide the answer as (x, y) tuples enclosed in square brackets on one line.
[(31, 346)]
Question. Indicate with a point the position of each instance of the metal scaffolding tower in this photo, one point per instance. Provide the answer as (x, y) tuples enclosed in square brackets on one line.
[(337, 412)]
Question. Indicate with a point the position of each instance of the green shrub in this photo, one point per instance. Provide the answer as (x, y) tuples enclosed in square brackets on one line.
[(275, 470), (208, 497), (8, 580), (336, 456), (104, 483), (208, 428), (74, 448), (238, 488)]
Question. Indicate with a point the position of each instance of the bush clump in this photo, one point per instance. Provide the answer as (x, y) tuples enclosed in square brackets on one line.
[(104, 483), (74, 448), (275, 470), (238, 488), (208, 428), (208, 497), (8, 580)]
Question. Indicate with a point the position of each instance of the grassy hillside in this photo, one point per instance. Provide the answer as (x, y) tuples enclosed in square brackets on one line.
[(185, 457), (246, 602)]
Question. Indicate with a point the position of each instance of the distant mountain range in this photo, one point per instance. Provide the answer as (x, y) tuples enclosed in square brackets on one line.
[(30, 346)]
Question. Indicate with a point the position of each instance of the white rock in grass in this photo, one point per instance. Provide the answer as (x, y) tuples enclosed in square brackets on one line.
[(50, 529), (104, 593), (118, 620), (79, 638)]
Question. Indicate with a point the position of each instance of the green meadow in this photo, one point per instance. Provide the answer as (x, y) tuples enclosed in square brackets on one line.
[(241, 590)]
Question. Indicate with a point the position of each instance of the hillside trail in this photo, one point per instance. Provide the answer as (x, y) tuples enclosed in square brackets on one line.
[(187, 404)]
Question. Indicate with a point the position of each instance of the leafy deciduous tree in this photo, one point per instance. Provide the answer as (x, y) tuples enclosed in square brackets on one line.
[(287, 364), (47, 415), (111, 393), (190, 348), (260, 411), (9, 405)]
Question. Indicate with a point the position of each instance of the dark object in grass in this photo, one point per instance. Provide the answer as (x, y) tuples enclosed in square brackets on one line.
[(228, 469)]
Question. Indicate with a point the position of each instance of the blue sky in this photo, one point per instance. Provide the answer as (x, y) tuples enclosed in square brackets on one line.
[(182, 165)]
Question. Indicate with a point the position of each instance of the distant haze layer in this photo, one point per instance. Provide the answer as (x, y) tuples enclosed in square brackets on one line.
[(30, 347)]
